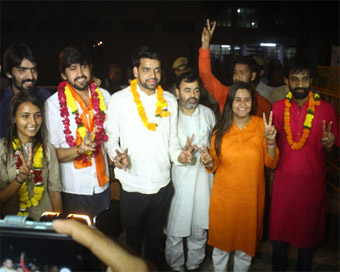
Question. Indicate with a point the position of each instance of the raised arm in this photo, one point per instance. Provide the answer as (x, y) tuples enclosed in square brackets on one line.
[(210, 82)]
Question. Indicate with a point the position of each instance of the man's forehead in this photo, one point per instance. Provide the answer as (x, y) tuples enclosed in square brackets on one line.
[(301, 73), (146, 62), (241, 66), (192, 85), (27, 63)]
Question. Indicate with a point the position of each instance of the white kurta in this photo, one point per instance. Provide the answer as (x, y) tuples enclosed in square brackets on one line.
[(192, 183)]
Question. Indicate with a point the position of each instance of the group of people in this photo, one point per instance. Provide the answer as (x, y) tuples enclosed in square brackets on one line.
[(181, 171)]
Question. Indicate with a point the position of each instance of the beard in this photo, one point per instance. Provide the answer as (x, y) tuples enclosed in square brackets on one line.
[(148, 86), (80, 87), (21, 86), (189, 105), (299, 95)]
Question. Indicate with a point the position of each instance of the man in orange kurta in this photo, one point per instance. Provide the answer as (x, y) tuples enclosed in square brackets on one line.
[(244, 70), (237, 197)]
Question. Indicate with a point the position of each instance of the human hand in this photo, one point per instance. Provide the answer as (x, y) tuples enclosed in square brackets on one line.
[(186, 155), (206, 159), (25, 169), (207, 34), (328, 138), (269, 129), (88, 145), (22, 255), (122, 160), (108, 251), (97, 81)]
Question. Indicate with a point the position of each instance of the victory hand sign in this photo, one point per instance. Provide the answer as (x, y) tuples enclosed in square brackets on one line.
[(88, 145), (122, 160), (270, 134), (206, 158), (207, 34), (328, 138), (25, 169), (186, 155)]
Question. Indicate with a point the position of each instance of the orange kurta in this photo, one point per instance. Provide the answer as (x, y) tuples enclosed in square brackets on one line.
[(238, 191)]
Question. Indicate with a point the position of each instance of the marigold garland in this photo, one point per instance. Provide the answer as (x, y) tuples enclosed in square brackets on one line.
[(66, 100), (314, 100), (161, 106), (25, 201)]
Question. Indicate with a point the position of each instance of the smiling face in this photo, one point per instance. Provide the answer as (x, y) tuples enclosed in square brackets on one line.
[(148, 74), (242, 103), (28, 121), (78, 76), (24, 76)]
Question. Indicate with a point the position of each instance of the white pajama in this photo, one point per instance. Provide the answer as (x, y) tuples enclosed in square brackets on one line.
[(174, 251), (220, 259)]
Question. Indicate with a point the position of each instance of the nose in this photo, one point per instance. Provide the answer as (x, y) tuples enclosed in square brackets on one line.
[(33, 120)]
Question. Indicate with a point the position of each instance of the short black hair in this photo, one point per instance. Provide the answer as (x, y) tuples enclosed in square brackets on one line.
[(248, 61), (145, 51), (188, 77), (296, 65), (15, 54), (74, 54)]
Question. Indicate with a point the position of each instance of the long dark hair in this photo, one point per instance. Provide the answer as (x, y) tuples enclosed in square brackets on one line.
[(12, 132), (225, 121)]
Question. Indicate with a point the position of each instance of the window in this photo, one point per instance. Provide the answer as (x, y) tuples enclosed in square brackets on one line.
[(247, 17), (224, 17)]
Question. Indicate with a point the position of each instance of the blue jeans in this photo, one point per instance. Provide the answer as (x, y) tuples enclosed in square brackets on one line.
[(279, 262)]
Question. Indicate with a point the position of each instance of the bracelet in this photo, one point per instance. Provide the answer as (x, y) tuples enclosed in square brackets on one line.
[(270, 146), (16, 179)]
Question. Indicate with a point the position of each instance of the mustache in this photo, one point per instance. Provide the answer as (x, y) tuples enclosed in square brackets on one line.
[(299, 88), (194, 98), (28, 80)]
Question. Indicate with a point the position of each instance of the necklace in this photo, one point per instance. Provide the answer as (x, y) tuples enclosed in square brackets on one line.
[(66, 100), (314, 100), (25, 201), (161, 106)]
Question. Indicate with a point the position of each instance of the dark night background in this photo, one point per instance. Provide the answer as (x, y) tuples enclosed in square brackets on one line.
[(312, 27)]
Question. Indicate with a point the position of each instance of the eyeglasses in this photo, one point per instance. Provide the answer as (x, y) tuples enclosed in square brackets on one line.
[(25, 69)]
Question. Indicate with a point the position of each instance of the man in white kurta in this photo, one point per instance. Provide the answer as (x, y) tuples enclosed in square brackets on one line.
[(188, 216), (142, 141)]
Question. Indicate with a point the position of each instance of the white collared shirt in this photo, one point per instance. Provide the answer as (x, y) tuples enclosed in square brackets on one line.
[(150, 152), (82, 181)]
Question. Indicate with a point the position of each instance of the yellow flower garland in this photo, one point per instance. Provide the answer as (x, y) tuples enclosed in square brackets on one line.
[(313, 101), (161, 105), (25, 201)]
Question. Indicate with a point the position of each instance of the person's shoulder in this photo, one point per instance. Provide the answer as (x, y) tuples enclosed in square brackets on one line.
[(169, 97), (53, 99), (104, 92), (43, 93), (206, 110)]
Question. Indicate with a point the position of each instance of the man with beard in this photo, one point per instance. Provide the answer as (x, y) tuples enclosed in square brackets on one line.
[(75, 115), (142, 140), (307, 127), (21, 68), (244, 70), (188, 216)]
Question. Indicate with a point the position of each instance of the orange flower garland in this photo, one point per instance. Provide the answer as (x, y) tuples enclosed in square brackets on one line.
[(312, 102), (161, 105)]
